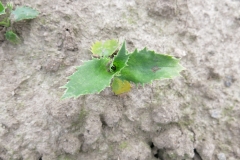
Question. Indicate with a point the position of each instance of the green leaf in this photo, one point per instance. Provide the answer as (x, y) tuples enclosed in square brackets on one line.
[(91, 77), (104, 49), (12, 37), (120, 60), (2, 8), (120, 86), (23, 12), (145, 66)]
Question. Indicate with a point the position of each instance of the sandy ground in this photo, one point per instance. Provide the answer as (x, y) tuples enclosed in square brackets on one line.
[(195, 116)]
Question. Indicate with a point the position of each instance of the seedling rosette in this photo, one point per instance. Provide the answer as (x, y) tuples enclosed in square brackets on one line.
[(118, 68), (8, 16)]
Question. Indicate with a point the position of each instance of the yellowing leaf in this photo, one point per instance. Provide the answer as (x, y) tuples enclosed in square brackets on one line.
[(120, 86), (104, 49)]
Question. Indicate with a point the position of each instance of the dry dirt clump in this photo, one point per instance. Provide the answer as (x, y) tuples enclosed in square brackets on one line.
[(195, 116)]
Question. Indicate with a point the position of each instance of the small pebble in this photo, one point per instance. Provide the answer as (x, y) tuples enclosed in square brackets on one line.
[(228, 81), (215, 113), (221, 156)]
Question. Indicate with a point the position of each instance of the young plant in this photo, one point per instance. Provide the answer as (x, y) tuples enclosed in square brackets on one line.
[(8, 16), (116, 67)]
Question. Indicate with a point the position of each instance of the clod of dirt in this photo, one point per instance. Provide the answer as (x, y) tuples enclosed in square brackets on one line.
[(112, 116), (93, 130), (206, 149), (134, 150), (67, 41), (173, 143), (165, 114), (53, 65), (147, 122), (164, 8), (28, 154), (186, 146), (179, 53), (69, 143), (69, 61), (168, 139), (64, 112)]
